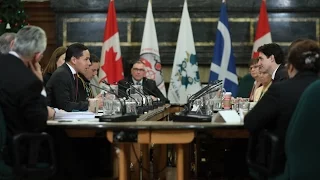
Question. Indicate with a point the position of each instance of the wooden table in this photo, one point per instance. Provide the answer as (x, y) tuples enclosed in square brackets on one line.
[(158, 132)]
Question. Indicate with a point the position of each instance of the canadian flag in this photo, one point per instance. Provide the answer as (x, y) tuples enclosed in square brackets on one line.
[(111, 68), (263, 35)]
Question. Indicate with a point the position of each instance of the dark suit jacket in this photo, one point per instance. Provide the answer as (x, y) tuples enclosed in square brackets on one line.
[(24, 108), (149, 87), (61, 91), (273, 112), (281, 74)]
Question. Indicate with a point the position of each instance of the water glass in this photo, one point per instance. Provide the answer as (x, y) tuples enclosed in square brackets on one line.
[(131, 107), (217, 104), (116, 106), (107, 106)]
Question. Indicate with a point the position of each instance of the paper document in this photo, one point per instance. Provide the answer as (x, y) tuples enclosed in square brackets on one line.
[(74, 115)]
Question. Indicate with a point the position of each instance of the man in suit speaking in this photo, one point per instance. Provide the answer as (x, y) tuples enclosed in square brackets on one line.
[(137, 77), (62, 88)]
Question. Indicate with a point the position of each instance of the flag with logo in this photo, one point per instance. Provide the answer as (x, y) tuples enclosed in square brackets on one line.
[(111, 68), (149, 53), (263, 35), (185, 78), (223, 65)]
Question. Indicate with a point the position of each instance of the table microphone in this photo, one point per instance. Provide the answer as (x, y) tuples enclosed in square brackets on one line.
[(120, 91), (159, 101), (124, 117), (144, 107)]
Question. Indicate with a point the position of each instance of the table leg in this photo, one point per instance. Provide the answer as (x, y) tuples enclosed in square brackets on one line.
[(180, 162), (123, 161), (145, 161)]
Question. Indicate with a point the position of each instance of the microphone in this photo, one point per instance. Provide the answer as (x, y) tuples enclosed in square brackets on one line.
[(124, 117), (120, 91), (145, 107), (186, 116), (159, 101)]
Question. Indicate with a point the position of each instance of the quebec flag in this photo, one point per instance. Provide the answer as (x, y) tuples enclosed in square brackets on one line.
[(223, 65)]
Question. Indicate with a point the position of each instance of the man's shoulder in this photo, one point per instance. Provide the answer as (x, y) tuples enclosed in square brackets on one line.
[(60, 74)]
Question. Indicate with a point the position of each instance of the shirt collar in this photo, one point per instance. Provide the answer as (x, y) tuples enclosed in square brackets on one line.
[(72, 70), (15, 54), (274, 72), (135, 82)]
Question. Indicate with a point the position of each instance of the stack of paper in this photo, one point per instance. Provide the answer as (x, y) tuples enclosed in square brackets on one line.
[(74, 115)]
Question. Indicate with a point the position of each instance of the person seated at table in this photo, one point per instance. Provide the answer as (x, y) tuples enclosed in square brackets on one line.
[(266, 80), (56, 60), (62, 88), (248, 83), (137, 77), (85, 90), (274, 110)]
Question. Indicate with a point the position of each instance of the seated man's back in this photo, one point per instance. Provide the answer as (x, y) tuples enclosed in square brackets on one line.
[(23, 105)]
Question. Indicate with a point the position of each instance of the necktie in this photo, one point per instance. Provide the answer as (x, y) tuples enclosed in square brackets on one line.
[(76, 84), (138, 83)]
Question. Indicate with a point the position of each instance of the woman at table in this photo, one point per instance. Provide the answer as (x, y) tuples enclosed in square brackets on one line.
[(55, 61), (273, 112), (266, 81)]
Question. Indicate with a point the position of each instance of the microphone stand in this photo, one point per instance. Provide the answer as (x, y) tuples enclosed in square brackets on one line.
[(123, 117), (144, 107), (158, 102), (120, 91), (185, 115)]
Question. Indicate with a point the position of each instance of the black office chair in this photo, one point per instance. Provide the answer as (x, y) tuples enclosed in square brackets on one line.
[(32, 155), (271, 145)]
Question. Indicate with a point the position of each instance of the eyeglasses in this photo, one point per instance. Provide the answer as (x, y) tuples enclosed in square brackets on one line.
[(140, 70)]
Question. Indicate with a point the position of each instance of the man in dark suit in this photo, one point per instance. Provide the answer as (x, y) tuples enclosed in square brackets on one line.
[(62, 88), (273, 112), (271, 60), (22, 97), (138, 78)]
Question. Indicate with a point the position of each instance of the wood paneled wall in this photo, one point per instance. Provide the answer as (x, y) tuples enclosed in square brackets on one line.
[(42, 15)]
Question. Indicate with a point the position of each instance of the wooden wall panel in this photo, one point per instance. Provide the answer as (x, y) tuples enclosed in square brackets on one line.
[(42, 15)]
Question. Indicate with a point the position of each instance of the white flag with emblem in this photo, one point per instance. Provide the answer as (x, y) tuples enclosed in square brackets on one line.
[(149, 53), (185, 78)]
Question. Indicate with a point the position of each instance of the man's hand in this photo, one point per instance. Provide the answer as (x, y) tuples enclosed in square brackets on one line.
[(36, 69)]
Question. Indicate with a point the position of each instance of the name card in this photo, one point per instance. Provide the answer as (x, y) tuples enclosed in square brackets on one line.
[(228, 116)]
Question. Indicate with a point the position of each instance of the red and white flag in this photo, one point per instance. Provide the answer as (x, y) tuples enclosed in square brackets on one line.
[(263, 34), (149, 53), (111, 68)]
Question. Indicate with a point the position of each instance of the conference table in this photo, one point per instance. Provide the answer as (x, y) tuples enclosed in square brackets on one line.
[(153, 132)]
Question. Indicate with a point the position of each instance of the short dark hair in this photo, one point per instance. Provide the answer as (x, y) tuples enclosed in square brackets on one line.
[(305, 56), (94, 59), (136, 62), (253, 61), (273, 49), (75, 50)]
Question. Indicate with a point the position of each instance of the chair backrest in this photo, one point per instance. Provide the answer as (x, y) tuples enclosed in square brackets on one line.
[(302, 143), (6, 172)]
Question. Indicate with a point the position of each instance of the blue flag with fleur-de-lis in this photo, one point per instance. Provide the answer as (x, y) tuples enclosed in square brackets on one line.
[(185, 78)]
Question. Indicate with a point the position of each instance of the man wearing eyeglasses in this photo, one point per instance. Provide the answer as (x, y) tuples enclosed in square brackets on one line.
[(137, 77)]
